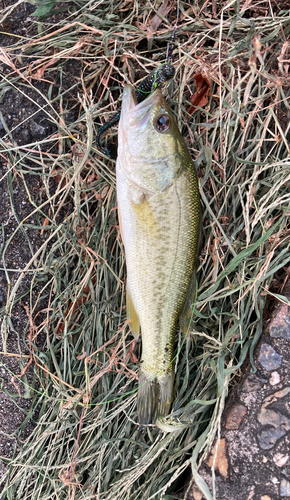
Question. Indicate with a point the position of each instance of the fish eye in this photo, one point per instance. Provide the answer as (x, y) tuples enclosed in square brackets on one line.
[(162, 123)]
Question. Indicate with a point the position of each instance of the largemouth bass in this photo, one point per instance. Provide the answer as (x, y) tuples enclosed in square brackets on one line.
[(159, 215)]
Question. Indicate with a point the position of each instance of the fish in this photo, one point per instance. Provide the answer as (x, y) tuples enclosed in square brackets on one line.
[(159, 218)]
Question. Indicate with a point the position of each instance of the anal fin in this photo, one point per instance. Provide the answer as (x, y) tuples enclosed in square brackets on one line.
[(132, 315)]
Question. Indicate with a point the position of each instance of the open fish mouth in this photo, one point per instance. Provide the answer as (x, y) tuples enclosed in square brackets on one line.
[(134, 112)]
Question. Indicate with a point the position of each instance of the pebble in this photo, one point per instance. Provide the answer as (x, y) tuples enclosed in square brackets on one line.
[(285, 488), (252, 383), (280, 325), (219, 457), (275, 378), (36, 128), (280, 424), (280, 459), (275, 418), (197, 495), (267, 439), (269, 358), (235, 416), (252, 493), (266, 497), (278, 394)]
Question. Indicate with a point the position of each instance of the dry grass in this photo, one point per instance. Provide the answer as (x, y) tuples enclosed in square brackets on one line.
[(88, 444)]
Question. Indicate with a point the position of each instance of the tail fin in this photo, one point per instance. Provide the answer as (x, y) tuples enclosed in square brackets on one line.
[(154, 396)]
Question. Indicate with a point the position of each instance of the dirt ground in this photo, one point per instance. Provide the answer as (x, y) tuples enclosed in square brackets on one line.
[(252, 459), (14, 411), (17, 404)]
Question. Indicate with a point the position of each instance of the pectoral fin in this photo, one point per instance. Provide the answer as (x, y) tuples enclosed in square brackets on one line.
[(132, 316), (185, 317)]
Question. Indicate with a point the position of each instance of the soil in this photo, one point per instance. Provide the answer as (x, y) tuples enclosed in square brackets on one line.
[(18, 410), (13, 408)]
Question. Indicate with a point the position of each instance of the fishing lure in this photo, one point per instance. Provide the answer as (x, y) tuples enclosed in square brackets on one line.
[(155, 80)]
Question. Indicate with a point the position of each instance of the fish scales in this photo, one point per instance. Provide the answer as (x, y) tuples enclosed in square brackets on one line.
[(159, 214)]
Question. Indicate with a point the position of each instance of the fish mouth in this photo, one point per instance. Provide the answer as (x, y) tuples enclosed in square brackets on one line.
[(136, 112)]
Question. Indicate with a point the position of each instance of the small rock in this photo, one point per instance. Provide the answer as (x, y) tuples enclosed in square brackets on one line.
[(268, 439), (36, 128), (285, 488), (269, 358), (235, 416), (280, 324), (197, 495), (24, 135), (218, 455), (280, 459), (252, 383), (281, 394), (264, 459), (265, 497), (274, 480), (275, 378), (279, 422), (252, 493), (274, 418)]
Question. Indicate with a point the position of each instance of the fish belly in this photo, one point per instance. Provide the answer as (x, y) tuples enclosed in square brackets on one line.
[(160, 234)]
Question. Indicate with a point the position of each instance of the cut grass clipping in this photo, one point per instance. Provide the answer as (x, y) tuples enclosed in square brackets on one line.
[(87, 443)]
